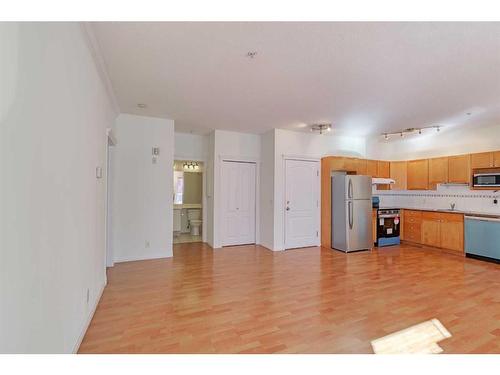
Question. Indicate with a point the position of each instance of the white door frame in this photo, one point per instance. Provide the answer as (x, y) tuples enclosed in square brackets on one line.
[(218, 207), (283, 203), (108, 254), (204, 216)]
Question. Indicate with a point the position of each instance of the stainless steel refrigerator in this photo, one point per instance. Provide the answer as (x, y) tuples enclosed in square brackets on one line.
[(351, 212)]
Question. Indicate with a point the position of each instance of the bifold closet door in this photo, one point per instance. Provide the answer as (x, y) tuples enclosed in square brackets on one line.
[(238, 203)]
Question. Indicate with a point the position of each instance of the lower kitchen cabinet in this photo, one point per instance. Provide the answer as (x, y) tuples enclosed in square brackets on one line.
[(436, 229), (412, 226), (431, 229), (452, 232)]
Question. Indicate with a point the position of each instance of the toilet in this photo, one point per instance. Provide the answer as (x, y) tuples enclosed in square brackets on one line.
[(194, 218)]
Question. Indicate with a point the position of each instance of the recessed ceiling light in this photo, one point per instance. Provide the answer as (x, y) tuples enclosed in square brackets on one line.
[(141, 105)]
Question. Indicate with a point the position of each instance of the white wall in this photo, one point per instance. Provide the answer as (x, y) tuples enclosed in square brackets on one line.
[(308, 145), (267, 190), (210, 184), (142, 204), (232, 145), (54, 110), (449, 141), (191, 146)]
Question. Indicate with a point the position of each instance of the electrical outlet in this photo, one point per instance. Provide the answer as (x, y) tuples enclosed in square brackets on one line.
[(147, 244), (88, 295)]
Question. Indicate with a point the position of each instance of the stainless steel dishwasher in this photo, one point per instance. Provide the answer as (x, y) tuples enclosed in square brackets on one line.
[(482, 237)]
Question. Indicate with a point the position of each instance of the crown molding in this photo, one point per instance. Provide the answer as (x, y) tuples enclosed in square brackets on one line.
[(100, 64)]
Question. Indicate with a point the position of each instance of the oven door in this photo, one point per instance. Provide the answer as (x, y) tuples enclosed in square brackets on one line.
[(388, 226), (486, 180)]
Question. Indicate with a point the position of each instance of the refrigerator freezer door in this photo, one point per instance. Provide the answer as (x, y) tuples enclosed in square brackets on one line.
[(359, 228), (358, 187)]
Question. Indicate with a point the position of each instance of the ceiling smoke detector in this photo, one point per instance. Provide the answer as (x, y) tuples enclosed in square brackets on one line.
[(321, 128), (251, 54)]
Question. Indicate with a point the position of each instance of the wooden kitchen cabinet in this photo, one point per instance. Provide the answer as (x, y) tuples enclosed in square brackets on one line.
[(436, 229), (383, 169), (452, 232), (418, 174), (328, 164), (438, 172), (398, 173), (496, 159), (412, 226), (431, 229), (350, 164), (482, 160), (459, 170), (361, 166), (371, 168)]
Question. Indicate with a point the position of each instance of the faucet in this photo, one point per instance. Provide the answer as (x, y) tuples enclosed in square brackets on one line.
[(452, 205)]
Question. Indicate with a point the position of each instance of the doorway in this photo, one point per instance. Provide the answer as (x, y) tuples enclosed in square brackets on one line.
[(238, 188), (188, 201), (302, 206)]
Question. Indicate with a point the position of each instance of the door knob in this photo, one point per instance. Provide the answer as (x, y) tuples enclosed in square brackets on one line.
[(288, 208)]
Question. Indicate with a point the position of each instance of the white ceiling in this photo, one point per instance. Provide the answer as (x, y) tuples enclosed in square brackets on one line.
[(365, 78)]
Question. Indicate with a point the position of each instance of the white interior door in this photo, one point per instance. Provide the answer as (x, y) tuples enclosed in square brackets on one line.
[(301, 203), (238, 203)]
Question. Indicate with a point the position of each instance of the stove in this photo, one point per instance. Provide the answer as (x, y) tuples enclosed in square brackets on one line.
[(388, 226)]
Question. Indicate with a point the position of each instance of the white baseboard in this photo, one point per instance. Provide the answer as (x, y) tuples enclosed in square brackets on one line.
[(142, 257), (89, 319)]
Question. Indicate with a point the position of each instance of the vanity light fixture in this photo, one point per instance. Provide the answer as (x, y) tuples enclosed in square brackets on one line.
[(409, 131), (190, 166), (321, 128)]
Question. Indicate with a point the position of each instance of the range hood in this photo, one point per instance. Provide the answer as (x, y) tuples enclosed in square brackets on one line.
[(383, 181)]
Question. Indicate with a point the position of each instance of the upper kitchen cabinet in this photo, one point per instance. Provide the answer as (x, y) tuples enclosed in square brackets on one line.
[(482, 160), (350, 164), (371, 167), (438, 172), (496, 159), (418, 175), (398, 171), (459, 169), (361, 166), (383, 169)]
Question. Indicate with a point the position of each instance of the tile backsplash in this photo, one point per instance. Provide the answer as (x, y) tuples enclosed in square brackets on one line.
[(464, 198)]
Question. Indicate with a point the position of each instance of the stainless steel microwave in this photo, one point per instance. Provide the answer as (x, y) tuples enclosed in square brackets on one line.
[(486, 180)]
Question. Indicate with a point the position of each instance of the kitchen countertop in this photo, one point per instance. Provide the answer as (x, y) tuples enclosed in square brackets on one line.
[(444, 210)]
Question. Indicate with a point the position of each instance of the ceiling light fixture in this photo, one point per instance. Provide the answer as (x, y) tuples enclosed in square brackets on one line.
[(409, 131), (321, 128), (141, 105), (251, 54)]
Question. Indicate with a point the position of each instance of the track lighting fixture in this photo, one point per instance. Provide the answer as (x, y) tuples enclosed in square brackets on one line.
[(409, 131)]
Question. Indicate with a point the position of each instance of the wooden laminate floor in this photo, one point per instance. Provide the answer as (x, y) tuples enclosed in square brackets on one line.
[(250, 300)]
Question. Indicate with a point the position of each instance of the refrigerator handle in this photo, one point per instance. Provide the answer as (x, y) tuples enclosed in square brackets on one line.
[(349, 189), (351, 215)]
